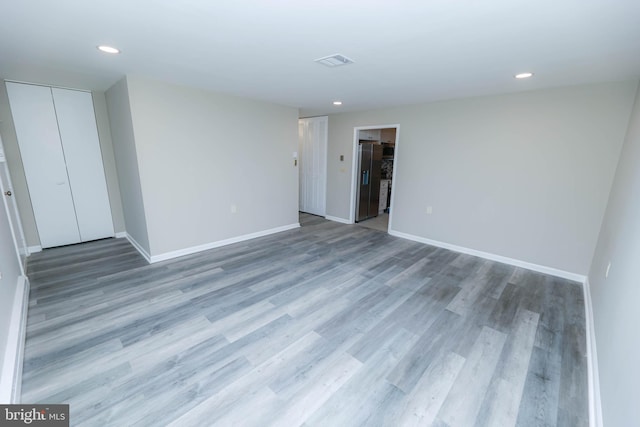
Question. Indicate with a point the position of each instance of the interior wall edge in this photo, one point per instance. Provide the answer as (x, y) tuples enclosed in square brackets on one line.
[(108, 159), (138, 247), (576, 277), (126, 165), (627, 126)]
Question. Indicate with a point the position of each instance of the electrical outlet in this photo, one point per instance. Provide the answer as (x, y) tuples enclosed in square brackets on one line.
[(234, 208), (0, 275), (606, 273), (429, 210)]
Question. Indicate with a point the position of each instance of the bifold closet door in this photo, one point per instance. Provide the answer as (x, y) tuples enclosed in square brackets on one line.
[(81, 147), (60, 151), (34, 117)]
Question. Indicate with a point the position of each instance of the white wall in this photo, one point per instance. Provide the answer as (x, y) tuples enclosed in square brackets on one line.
[(615, 299), (15, 161), (199, 153), (524, 176), (126, 162)]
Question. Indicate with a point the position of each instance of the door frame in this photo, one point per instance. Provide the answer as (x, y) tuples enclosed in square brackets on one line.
[(354, 172), (10, 204)]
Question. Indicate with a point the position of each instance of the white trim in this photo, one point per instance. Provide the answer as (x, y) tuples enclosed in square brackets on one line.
[(11, 375), (34, 249), (138, 247), (354, 177), (121, 234), (595, 403), (493, 257), (47, 85), (394, 183), (219, 243), (338, 219)]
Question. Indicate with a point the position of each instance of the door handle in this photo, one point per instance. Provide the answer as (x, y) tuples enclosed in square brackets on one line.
[(365, 177), (7, 193)]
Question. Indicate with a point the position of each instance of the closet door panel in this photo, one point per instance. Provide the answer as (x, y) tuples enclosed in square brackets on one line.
[(312, 149), (77, 124), (44, 164)]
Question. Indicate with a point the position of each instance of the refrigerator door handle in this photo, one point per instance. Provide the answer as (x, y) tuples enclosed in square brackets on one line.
[(365, 177)]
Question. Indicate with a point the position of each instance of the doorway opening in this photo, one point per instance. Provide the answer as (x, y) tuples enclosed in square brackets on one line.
[(374, 161)]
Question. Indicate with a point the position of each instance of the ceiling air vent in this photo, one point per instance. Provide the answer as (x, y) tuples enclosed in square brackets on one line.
[(334, 60)]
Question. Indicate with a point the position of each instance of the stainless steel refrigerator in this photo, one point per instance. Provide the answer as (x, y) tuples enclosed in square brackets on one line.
[(369, 166)]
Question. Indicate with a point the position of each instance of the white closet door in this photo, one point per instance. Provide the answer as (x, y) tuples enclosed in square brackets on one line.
[(81, 146), (313, 134), (43, 159)]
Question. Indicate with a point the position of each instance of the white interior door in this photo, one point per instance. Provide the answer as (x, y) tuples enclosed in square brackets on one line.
[(313, 136), (81, 147), (11, 207), (36, 126)]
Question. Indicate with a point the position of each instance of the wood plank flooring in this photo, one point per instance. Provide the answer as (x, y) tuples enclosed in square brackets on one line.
[(326, 325)]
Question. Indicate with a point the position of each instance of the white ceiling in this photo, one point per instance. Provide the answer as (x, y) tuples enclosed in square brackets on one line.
[(405, 52)]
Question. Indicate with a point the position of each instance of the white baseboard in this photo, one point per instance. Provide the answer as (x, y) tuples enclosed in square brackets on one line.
[(493, 257), (595, 404), (34, 249), (11, 375), (219, 243), (121, 234), (338, 219)]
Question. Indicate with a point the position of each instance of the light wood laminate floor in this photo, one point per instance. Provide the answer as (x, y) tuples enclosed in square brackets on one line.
[(326, 325)]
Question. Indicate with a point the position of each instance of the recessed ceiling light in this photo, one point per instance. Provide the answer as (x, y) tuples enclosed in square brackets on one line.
[(108, 49), (523, 75), (337, 102)]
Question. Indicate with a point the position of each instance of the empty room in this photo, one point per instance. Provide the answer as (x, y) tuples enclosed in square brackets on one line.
[(319, 213)]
